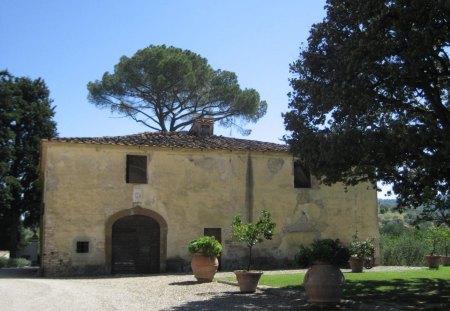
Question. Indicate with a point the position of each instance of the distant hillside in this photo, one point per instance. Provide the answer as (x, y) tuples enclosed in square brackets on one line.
[(389, 202), (387, 213)]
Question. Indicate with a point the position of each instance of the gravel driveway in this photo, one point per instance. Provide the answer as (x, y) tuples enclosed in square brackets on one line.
[(20, 290)]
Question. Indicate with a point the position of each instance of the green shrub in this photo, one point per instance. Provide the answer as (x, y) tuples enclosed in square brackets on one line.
[(206, 245), (304, 257), (3, 262), (408, 249), (325, 250), (14, 262), (444, 246), (362, 248), (22, 262), (394, 229)]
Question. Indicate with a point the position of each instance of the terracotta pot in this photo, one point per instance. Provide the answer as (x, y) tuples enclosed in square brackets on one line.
[(204, 267), (248, 280), (356, 264), (323, 284), (433, 261), (445, 261)]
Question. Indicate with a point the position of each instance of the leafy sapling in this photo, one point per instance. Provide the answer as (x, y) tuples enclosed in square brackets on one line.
[(252, 234)]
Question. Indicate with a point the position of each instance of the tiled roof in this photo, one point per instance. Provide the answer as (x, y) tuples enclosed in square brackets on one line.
[(178, 140)]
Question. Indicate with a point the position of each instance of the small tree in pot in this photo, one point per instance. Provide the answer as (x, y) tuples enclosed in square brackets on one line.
[(433, 236), (204, 262), (444, 233), (251, 234)]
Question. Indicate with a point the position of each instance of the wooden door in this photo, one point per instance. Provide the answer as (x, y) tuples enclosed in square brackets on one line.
[(135, 245)]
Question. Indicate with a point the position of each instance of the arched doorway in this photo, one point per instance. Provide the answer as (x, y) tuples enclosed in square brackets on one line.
[(136, 245), (150, 219)]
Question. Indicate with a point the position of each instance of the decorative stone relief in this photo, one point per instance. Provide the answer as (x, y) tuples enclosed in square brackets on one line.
[(302, 224), (274, 165)]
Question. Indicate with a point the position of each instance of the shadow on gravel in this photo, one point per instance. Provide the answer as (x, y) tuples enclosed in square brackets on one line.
[(184, 283), (237, 301), (416, 294), (22, 273)]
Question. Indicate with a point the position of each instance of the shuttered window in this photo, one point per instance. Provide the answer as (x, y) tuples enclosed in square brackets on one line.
[(302, 177), (136, 169)]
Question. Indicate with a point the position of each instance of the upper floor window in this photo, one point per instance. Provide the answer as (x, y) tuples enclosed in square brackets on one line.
[(302, 177), (136, 169)]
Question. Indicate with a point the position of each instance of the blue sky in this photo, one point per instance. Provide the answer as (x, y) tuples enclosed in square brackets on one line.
[(69, 43)]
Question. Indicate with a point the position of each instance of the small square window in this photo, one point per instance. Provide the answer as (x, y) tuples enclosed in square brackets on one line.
[(82, 247), (302, 177), (136, 169)]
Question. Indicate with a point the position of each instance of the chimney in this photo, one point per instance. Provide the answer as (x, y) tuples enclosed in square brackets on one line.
[(202, 127)]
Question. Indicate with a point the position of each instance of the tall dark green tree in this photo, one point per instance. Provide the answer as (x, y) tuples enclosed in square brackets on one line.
[(167, 88), (25, 118), (370, 98)]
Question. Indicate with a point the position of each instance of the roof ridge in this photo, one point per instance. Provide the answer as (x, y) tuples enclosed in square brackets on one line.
[(181, 139)]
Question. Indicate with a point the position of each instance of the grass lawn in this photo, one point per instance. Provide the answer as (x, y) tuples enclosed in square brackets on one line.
[(414, 288)]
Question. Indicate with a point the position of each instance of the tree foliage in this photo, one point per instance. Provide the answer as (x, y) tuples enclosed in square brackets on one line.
[(25, 119), (252, 234), (370, 97), (167, 88)]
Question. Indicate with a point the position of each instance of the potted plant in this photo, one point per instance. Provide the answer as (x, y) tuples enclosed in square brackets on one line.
[(445, 242), (204, 261), (251, 234), (433, 236), (360, 250), (324, 280)]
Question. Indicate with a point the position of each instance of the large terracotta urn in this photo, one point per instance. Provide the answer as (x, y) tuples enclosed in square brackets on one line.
[(433, 261), (204, 267), (356, 263), (323, 283), (445, 261), (248, 280)]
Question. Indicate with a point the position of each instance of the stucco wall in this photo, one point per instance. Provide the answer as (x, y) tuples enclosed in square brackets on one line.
[(190, 190)]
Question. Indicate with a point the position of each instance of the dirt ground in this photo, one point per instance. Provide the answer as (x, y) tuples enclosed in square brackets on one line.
[(21, 290)]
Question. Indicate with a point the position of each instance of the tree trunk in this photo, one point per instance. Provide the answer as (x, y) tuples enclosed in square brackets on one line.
[(249, 258)]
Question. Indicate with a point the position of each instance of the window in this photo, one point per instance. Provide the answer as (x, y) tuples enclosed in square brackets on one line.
[(82, 247), (215, 232), (302, 177), (136, 169)]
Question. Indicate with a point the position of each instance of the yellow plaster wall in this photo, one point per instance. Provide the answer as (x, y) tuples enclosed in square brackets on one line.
[(192, 190)]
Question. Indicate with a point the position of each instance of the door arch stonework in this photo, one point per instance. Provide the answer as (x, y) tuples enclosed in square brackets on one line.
[(136, 211)]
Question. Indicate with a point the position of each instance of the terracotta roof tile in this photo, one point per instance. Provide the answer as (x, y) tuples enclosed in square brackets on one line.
[(178, 140)]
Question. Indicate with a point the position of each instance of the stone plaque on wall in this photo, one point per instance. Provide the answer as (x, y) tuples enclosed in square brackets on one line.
[(138, 195)]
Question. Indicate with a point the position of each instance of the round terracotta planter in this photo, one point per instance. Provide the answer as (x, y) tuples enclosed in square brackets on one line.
[(433, 261), (248, 280), (445, 261), (204, 267), (356, 264), (323, 284)]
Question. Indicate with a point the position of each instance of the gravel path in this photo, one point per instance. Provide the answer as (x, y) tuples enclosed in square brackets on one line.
[(21, 290)]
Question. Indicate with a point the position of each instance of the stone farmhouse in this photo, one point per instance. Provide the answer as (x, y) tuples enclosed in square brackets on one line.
[(131, 204)]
